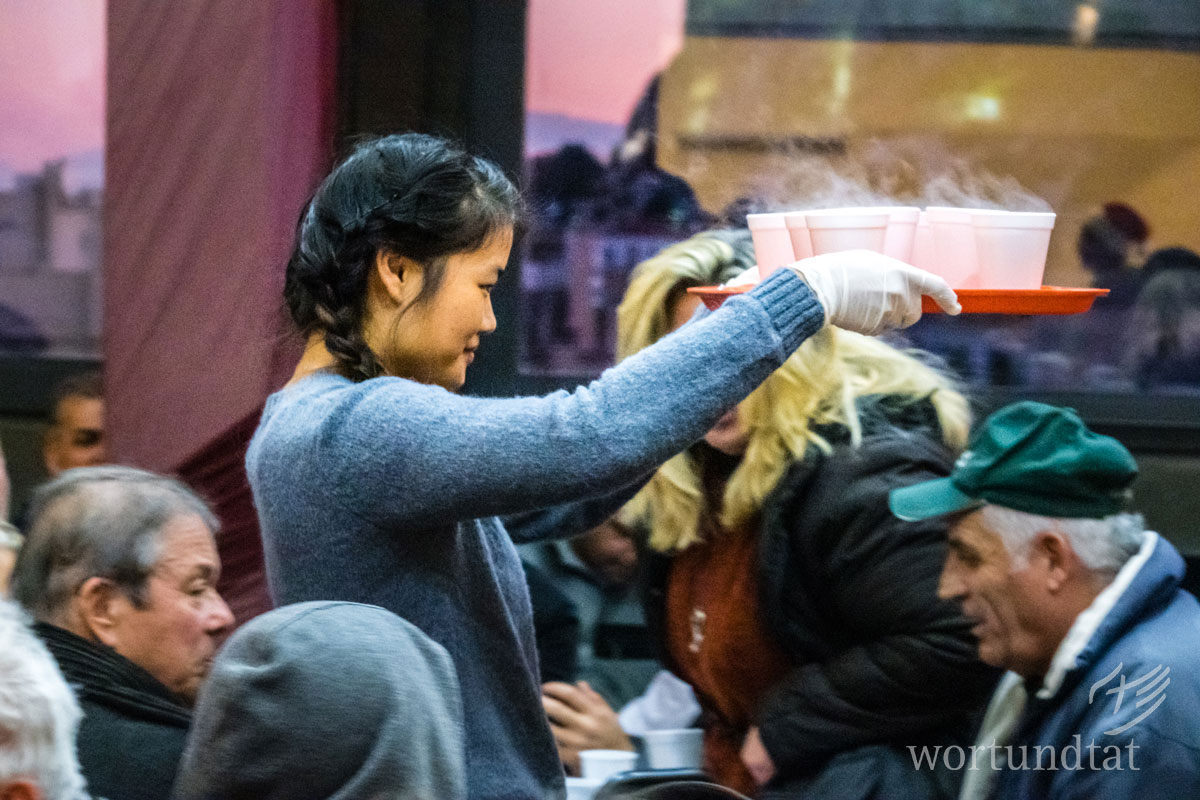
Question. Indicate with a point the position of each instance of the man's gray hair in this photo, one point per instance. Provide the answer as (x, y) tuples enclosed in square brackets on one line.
[(97, 522), (1103, 545), (39, 715)]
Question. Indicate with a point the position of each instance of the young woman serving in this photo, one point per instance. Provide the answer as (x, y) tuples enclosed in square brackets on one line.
[(376, 483)]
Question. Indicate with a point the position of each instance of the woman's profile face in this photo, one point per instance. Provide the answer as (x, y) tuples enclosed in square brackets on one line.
[(435, 341)]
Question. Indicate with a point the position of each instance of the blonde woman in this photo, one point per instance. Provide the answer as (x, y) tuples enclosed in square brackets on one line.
[(803, 614)]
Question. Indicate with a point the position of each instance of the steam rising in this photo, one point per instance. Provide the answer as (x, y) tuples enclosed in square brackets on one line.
[(880, 175)]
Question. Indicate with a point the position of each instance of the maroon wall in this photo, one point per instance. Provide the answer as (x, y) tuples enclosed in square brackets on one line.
[(219, 120), (220, 115)]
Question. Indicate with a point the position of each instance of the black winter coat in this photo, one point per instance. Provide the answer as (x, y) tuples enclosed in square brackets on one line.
[(133, 730), (850, 593)]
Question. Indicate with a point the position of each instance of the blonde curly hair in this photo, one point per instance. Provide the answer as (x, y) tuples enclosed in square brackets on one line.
[(817, 386)]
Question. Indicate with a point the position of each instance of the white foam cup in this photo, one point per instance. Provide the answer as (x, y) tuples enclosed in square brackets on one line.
[(1012, 247), (835, 229), (922, 249), (679, 748), (797, 229), (772, 244), (954, 255), (901, 232), (901, 228), (603, 764), (583, 788)]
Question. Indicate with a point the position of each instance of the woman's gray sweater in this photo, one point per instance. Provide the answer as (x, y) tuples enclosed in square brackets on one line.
[(388, 492)]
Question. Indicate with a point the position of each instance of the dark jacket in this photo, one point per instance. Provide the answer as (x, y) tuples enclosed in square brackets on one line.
[(850, 593), (133, 729)]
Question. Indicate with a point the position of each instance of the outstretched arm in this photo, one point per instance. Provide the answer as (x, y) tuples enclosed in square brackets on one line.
[(399, 451)]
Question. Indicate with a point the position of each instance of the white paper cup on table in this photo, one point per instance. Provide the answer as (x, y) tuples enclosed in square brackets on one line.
[(583, 788), (680, 748), (797, 228), (1012, 247), (836, 229), (954, 255), (772, 244), (603, 764)]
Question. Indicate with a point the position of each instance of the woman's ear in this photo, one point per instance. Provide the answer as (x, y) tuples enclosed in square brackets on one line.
[(400, 278), (102, 606)]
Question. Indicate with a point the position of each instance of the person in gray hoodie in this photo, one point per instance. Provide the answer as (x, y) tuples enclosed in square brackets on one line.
[(327, 701)]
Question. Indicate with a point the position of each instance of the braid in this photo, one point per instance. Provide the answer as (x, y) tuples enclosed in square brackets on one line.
[(345, 342), (326, 297)]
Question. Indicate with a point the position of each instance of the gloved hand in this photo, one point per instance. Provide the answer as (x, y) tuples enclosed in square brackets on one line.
[(869, 292)]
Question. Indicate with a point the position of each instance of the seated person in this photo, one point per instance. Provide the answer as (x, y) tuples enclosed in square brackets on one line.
[(324, 701), (1163, 348), (5, 486), (779, 586), (10, 544), (1079, 602), (1105, 250), (119, 568), (75, 437), (555, 626), (38, 718), (10, 537), (615, 653), (581, 719)]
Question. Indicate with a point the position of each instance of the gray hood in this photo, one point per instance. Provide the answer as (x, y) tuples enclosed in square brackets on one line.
[(327, 701)]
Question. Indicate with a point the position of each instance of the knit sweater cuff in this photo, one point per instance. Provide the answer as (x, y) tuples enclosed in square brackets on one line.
[(792, 306)]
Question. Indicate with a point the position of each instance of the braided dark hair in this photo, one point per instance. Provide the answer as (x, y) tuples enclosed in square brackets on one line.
[(411, 195)]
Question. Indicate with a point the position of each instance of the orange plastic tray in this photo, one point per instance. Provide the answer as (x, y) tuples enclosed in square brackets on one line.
[(1047, 300)]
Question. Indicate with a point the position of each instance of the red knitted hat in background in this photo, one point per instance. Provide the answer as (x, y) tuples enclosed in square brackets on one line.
[(1127, 221)]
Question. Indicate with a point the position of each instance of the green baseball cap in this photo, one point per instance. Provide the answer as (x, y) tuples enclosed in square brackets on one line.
[(1030, 457)]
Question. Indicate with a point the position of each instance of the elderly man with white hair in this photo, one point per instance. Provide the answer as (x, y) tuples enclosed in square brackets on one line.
[(1080, 603), (38, 718), (120, 569)]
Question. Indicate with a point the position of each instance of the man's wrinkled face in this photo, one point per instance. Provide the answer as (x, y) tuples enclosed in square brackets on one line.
[(175, 634), (76, 438), (998, 595)]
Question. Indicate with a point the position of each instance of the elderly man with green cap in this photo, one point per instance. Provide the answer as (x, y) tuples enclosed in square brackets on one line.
[(1080, 603)]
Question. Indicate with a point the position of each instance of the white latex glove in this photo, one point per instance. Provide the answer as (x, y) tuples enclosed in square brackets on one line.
[(869, 292)]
